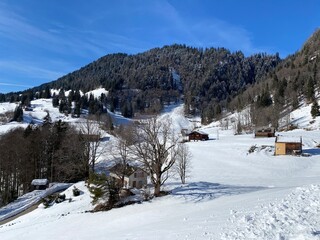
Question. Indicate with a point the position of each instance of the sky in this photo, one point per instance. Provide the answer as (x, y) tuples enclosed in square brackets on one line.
[(41, 41)]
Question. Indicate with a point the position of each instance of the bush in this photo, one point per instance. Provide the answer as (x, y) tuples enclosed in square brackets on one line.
[(76, 192), (60, 198)]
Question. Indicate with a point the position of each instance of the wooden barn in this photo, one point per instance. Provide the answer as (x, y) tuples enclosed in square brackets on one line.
[(198, 135), (288, 146), (264, 132)]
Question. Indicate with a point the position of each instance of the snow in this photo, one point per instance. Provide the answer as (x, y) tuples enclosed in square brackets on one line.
[(26, 201), (282, 139), (40, 109), (175, 113), (97, 92), (39, 182), (295, 217), (6, 107), (303, 119), (231, 194)]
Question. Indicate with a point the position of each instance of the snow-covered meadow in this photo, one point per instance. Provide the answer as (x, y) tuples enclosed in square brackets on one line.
[(231, 194)]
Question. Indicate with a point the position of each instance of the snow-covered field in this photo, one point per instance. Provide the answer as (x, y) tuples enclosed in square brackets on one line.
[(231, 194)]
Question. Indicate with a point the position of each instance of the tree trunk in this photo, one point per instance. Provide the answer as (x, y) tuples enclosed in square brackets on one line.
[(157, 186), (157, 189)]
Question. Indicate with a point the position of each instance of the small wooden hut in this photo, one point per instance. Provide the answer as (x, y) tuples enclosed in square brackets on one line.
[(288, 146), (265, 132), (198, 135)]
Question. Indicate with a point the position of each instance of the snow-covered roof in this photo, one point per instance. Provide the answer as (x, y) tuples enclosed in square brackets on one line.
[(129, 169), (199, 131), (287, 139), (39, 182)]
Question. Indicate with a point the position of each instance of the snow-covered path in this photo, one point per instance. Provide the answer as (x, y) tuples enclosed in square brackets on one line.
[(28, 200)]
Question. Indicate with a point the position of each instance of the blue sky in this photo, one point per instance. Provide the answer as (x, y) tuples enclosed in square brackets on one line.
[(41, 41)]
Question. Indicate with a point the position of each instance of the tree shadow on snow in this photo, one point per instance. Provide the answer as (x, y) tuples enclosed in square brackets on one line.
[(206, 191), (313, 151), (105, 139)]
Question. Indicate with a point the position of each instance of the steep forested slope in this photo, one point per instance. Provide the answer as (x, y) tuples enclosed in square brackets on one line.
[(295, 80)]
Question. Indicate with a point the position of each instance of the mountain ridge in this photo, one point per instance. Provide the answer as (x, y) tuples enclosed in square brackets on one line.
[(208, 76), (210, 79)]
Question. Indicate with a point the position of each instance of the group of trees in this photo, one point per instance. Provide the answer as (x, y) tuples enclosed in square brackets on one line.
[(74, 103), (52, 151), (60, 152)]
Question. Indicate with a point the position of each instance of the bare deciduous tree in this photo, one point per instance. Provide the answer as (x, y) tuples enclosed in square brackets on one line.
[(91, 133), (121, 150), (183, 162), (156, 147)]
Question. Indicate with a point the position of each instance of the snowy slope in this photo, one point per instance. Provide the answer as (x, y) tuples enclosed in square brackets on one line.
[(97, 92), (40, 109), (29, 199), (232, 194)]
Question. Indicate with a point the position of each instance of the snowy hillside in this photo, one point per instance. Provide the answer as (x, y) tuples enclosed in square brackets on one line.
[(40, 108), (231, 194)]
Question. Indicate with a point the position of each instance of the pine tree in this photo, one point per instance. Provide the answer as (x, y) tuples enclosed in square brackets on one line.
[(2, 97), (310, 89), (55, 100), (18, 114), (63, 107), (47, 93), (77, 109), (109, 123), (315, 109)]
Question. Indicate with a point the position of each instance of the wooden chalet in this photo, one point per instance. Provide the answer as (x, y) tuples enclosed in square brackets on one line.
[(265, 132), (134, 177), (288, 146), (198, 135)]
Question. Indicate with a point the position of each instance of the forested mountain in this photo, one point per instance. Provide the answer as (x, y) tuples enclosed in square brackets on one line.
[(144, 82), (209, 80)]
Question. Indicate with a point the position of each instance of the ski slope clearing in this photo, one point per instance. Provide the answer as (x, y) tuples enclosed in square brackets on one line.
[(231, 194)]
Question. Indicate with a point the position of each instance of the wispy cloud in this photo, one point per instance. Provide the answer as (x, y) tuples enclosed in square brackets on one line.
[(220, 33), (29, 70), (17, 28), (173, 16), (15, 85), (205, 32)]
